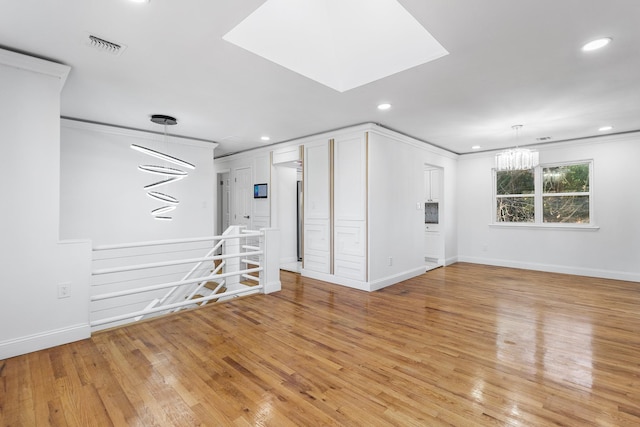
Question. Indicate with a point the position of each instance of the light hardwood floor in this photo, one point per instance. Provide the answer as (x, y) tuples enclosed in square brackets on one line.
[(463, 345)]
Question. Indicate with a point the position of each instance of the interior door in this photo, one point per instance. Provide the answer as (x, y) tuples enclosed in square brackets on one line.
[(225, 204), (243, 196)]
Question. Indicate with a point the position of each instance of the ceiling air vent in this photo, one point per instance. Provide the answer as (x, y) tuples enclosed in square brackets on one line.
[(104, 45)]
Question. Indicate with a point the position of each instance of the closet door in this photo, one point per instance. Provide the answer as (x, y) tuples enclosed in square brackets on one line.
[(317, 207), (350, 206)]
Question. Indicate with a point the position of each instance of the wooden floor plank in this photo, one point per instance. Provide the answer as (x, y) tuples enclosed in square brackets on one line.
[(464, 345)]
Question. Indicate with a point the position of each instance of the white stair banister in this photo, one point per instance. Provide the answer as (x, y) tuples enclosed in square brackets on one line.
[(270, 262), (134, 280), (233, 246)]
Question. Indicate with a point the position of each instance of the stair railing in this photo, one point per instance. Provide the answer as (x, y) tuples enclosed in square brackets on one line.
[(131, 291)]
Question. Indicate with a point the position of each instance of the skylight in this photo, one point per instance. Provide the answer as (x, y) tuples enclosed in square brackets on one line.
[(342, 44)]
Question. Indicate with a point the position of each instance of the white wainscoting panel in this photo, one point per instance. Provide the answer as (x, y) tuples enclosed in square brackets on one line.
[(350, 238), (350, 267), (317, 250), (350, 185)]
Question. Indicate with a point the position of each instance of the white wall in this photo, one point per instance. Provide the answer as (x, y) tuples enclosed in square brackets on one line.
[(102, 195), (396, 209), (261, 208), (449, 208), (611, 251), (396, 187), (34, 262)]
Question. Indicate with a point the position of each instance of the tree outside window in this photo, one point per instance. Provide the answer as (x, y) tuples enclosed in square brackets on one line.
[(515, 196), (565, 194), (546, 194)]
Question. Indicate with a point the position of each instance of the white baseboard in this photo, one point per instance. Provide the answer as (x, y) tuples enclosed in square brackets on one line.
[(273, 286), (365, 286), (451, 260), (396, 278), (551, 268), (27, 344), (330, 278), (288, 260)]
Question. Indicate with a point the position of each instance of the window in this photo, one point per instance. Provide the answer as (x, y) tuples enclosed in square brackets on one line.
[(548, 194), (565, 193), (515, 196)]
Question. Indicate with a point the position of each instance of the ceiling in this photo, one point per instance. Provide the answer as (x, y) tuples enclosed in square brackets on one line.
[(510, 62)]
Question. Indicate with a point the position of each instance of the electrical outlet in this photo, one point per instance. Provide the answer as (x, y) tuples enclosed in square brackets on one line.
[(390, 261), (64, 290)]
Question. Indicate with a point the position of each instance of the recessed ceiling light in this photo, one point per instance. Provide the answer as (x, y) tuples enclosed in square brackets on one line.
[(139, 1), (596, 44), (384, 106), (476, 147), (605, 128), (265, 138)]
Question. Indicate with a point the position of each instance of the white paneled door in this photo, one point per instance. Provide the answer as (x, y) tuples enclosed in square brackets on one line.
[(243, 195), (317, 207)]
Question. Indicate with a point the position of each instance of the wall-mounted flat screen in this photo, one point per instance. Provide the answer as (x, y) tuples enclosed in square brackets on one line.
[(431, 213), (260, 191)]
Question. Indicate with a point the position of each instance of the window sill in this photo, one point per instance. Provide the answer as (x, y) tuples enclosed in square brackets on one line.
[(578, 227)]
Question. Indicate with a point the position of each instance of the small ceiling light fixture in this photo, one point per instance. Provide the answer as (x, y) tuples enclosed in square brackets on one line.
[(139, 1), (516, 158), (596, 44), (163, 119), (384, 106), (605, 128), (265, 138), (476, 147)]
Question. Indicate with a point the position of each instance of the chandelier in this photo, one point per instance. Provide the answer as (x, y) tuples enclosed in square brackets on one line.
[(169, 174), (517, 158)]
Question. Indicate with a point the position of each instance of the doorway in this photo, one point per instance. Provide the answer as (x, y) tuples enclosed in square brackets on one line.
[(223, 202), (433, 217), (243, 196), (288, 214)]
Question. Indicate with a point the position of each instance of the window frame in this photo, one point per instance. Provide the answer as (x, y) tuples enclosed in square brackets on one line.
[(538, 198)]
